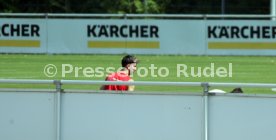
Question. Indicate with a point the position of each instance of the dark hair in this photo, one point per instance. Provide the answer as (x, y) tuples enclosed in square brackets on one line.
[(237, 90), (128, 59)]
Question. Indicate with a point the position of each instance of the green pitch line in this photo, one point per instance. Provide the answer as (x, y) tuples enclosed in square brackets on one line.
[(245, 69)]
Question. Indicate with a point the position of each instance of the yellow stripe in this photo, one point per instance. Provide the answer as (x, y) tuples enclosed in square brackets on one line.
[(19, 43), (241, 45), (124, 44)]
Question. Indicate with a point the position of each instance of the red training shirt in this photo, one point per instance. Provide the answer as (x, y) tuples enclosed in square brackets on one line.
[(117, 76)]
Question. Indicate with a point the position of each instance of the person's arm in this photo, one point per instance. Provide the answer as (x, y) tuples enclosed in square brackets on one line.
[(131, 87), (102, 87)]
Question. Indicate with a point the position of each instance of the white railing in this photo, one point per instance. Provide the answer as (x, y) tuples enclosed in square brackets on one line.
[(204, 85)]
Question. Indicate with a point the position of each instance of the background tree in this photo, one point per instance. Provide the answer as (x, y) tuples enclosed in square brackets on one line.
[(136, 6)]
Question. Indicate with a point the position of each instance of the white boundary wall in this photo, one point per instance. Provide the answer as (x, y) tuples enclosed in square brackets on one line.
[(139, 36), (136, 117), (86, 116), (241, 118), (27, 116)]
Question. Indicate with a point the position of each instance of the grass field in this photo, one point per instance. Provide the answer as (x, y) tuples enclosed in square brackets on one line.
[(245, 69)]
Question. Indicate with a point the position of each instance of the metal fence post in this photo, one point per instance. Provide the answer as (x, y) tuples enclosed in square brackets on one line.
[(58, 110), (206, 107), (205, 87)]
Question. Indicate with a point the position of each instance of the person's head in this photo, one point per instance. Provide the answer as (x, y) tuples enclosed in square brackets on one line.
[(129, 62), (237, 90)]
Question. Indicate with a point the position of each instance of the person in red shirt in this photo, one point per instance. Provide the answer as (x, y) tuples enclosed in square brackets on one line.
[(129, 64)]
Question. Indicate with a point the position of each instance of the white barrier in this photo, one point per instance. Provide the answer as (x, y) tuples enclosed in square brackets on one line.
[(242, 118), (27, 116), (136, 117), (120, 33), (63, 115)]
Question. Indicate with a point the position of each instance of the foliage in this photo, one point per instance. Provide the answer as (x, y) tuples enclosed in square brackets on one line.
[(136, 6)]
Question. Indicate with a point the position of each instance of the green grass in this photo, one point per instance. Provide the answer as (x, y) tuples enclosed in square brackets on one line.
[(246, 69)]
